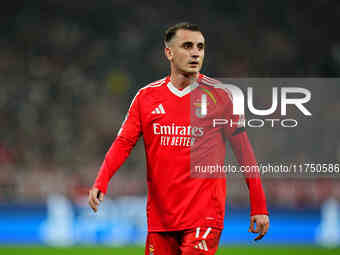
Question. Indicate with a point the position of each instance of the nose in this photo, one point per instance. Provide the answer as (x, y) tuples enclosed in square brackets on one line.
[(195, 56), (195, 53)]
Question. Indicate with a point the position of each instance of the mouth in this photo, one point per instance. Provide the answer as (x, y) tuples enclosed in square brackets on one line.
[(193, 63)]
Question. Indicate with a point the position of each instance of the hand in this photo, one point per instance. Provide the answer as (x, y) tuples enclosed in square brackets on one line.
[(262, 225), (95, 198)]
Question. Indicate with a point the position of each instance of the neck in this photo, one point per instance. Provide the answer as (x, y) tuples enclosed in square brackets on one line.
[(182, 80)]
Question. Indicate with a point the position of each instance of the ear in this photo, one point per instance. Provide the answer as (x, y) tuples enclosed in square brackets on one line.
[(168, 53)]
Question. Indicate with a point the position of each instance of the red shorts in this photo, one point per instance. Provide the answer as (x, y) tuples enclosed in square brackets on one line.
[(185, 242)]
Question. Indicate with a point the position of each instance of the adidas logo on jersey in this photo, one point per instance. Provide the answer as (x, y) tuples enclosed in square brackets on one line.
[(159, 110)]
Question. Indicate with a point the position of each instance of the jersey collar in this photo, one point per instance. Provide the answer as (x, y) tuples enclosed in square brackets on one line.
[(185, 91)]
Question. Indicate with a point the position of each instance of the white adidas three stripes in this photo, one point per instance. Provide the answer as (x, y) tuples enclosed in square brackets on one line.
[(159, 110)]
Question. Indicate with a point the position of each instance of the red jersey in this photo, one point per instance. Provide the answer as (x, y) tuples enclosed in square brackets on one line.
[(176, 139)]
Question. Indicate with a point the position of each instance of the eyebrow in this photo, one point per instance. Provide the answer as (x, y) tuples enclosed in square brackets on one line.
[(191, 43)]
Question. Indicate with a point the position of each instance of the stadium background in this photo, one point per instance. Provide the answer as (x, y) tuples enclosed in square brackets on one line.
[(68, 71)]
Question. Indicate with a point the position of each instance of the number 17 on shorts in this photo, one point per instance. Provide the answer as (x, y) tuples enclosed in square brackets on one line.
[(200, 240)]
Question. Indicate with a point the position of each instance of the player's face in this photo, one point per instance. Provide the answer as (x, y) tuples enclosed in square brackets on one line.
[(186, 51)]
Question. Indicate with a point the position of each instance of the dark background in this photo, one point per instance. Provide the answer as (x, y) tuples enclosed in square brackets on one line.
[(69, 69)]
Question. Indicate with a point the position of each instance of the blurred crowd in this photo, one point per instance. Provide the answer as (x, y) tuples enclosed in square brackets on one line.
[(69, 69)]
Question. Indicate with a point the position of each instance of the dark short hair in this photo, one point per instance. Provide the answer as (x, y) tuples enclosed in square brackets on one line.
[(171, 31)]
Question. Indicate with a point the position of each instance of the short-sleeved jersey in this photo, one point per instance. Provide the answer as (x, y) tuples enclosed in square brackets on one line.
[(177, 138)]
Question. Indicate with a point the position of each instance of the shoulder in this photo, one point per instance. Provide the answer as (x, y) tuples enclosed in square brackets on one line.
[(204, 79), (216, 87), (153, 86), (150, 89)]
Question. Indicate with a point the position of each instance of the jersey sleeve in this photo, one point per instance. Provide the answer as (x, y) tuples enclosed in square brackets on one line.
[(246, 157), (236, 134), (120, 149)]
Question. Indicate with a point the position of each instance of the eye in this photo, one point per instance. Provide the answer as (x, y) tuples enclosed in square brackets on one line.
[(200, 46), (187, 45)]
